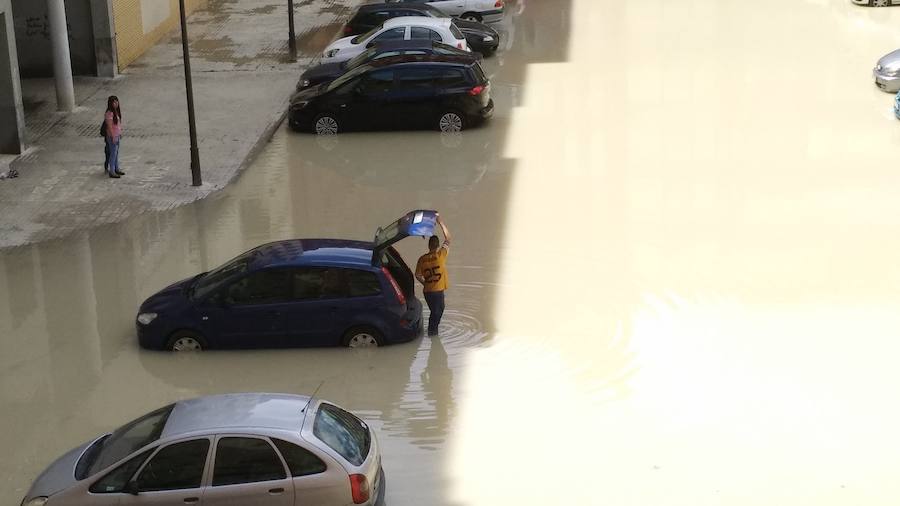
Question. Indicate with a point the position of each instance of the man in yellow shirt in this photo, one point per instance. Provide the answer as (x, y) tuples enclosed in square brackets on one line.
[(431, 271)]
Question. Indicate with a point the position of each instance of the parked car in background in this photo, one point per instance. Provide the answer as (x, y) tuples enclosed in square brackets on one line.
[(292, 293), (887, 72), (260, 449), (481, 38), (485, 11), (405, 28), (327, 72), (876, 3), (897, 105), (448, 93)]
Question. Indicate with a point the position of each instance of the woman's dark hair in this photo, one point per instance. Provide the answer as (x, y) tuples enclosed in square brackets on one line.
[(117, 111)]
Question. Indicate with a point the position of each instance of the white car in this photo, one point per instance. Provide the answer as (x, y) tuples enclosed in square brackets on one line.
[(484, 11), (399, 28), (876, 3)]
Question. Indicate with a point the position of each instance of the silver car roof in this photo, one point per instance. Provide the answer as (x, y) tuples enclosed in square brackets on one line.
[(214, 412)]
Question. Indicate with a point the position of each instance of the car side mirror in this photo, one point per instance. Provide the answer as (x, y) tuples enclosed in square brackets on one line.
[(131, 488)]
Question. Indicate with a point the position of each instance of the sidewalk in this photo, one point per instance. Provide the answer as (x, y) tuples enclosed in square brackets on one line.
[(242, 79)]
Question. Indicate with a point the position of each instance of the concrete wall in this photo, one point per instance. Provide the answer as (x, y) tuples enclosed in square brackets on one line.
[(33, 37), (12, 118), (141, 23)]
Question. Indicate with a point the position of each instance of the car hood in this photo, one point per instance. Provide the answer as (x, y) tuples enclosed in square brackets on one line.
[(344, 43), (307, 94), (890, 61), (323, 71), (475, 28), (168, 296), (59, 475)]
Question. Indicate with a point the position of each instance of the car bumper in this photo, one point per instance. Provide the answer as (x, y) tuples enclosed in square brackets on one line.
[(491, 16), (887, 83), (382, 486), (485, 47), (151, 337), (300, 120)]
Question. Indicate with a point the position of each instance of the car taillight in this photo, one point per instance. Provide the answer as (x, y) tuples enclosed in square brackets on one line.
[(397, 291), (499, 4), (347, 30), (459, 45), (359, 487), (476, 91)]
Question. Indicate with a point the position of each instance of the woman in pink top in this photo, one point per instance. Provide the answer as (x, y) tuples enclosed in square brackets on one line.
[(113, 136)]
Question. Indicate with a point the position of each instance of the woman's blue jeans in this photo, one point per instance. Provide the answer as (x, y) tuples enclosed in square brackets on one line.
[(112, 145)]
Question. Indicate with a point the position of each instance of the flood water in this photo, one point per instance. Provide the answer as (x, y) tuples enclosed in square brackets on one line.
[(674, 276)]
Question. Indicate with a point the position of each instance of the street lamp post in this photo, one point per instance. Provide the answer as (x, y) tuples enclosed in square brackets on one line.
[(196, 180), (292, 38)]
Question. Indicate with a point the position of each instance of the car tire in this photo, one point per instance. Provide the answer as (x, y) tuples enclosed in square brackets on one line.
[(450, 122), (362, 337), (325, 124), (879, 3), (471, 16), (186, 340)]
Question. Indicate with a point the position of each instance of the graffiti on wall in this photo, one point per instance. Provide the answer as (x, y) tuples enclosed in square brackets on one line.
[(39, 26)]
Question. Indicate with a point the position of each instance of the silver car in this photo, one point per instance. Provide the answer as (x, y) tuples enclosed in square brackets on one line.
[(887, 72), (259, 449)]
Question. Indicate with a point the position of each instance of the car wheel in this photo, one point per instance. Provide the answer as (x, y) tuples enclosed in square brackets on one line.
[(451, 121), (363, 337), (471, 16), (326, 124), (878, 3), (186, 340)]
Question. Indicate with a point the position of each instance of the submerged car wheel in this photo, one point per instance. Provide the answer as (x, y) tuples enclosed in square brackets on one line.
[(471, 16), (326, 124), (450, 122), (879, 3), (186, 340), (362, 337)]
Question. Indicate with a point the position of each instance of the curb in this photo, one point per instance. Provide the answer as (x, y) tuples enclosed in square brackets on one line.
[(264, 138)]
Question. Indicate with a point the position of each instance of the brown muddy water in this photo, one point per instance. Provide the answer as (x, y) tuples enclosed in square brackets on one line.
[(674, 275)]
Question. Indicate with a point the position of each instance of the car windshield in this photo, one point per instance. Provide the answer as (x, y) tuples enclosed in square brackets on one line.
[(361, 58), (340, 81), (433, 11), (127, 439), (211, 281), (365, 36)]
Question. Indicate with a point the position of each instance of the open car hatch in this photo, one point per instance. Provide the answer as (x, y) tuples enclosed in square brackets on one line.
[(420, 222)]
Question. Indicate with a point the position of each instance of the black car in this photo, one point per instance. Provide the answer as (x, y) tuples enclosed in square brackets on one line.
[(448, 93), (327, 72), (480, 37)]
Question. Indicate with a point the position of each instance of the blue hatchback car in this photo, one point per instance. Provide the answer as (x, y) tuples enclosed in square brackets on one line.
[(299, 292)]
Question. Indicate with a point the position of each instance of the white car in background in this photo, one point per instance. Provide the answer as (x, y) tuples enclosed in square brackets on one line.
[(876, 3), (400, 28), (483, 11)]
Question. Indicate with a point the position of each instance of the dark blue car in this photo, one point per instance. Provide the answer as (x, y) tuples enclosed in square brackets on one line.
[(300, 292)]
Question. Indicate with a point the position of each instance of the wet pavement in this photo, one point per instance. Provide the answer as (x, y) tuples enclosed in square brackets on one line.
[(673, 273)]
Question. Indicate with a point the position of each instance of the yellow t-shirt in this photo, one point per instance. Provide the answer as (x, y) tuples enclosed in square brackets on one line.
[(433, 267)]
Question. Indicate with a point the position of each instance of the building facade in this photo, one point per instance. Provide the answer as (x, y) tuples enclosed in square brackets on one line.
[(104, 36)]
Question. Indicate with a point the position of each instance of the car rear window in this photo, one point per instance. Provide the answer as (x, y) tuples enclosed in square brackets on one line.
[(343, 432), (479, 73), (455, 31)]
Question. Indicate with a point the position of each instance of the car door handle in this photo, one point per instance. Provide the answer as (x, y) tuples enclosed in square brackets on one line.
[(191, 500), (276, 491)]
